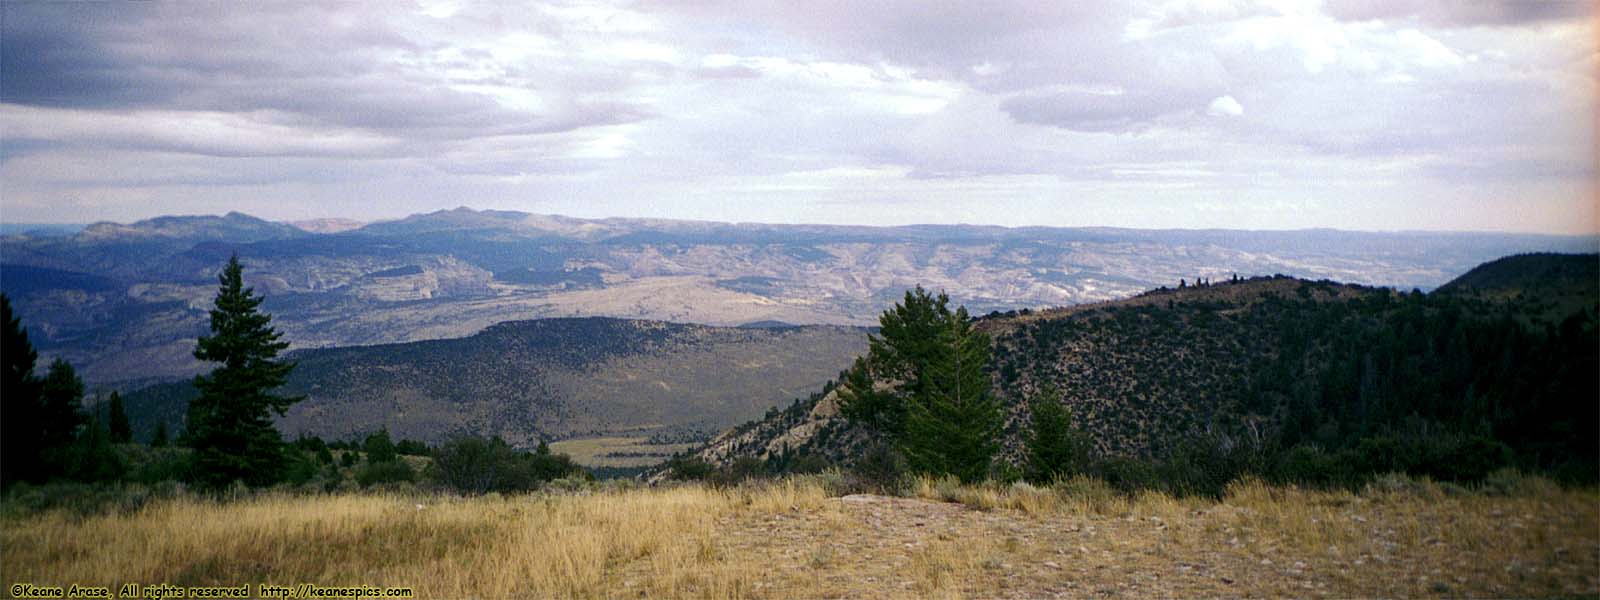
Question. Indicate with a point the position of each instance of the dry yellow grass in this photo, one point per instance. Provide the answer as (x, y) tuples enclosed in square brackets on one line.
[(789, 539), (567, 546)]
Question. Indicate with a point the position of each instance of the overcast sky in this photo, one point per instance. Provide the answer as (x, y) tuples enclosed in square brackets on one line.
[(1354, 114)]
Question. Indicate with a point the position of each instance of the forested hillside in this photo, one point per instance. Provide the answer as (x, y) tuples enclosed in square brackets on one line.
[(546, 379), (1274, 371)]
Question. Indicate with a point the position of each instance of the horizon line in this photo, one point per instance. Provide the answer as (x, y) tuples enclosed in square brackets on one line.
[(364, 223)]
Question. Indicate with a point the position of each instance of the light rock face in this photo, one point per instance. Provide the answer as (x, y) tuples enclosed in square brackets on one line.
[(113, 296), (766, 440), (328, 225)]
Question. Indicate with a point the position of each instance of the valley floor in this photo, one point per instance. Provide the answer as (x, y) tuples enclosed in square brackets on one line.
[(793, 539)]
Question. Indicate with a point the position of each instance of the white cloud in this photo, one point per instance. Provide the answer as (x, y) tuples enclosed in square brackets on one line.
[(612, 142), (1224, 106), (1426, 51), (635, 50)]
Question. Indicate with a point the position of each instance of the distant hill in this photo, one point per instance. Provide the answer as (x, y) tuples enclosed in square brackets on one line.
[(1278, 362), (1535, 272), (547, 379), (40, 229), (1549, 286), (452, 273), (232, 227)]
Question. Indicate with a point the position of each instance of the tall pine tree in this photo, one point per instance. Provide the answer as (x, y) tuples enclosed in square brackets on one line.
[(61, 413), (42, 419), (953, 425), (117, 421), (230, 425), (19, 393), (923, 385), (159, 438)]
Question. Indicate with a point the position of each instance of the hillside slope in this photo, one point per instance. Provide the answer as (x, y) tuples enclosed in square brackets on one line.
[(1549, 286), (1274, 362), (547, 379)]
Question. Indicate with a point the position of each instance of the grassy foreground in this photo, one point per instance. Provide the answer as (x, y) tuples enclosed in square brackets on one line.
[(793, 539)]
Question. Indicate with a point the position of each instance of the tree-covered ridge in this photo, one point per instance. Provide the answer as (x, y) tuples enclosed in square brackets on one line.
[(1537, 274), (1546, 287), (1283, 377), (1285, 370)]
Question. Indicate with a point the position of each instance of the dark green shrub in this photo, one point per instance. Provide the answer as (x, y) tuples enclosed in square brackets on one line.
[(299, 467), (543, 465), (378, 447), (160, 464), (1309, 465), (1055, 450), (393, 471), (472, 465), (1127, 475), (1466, 460), (1378, 455), (84, 499), (91, 458), (1205, 466), (411, 448), (690, 468), (468, 465), (881, 465), (808, 463), (745, 468)]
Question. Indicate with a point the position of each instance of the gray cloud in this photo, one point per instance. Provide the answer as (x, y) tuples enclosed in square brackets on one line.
[(833, 110), (1086, 111), (314, 65), (1451, 13)]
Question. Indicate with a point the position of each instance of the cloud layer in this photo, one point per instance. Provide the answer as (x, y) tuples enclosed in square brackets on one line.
[(1416, 114)]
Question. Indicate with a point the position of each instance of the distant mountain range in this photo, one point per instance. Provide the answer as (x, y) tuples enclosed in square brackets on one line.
[(125, 302)]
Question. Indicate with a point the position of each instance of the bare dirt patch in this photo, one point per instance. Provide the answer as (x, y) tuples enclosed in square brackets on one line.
[(876, 546)]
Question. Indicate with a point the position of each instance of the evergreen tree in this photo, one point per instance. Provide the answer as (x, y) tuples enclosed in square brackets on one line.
[(91, 457), (953, 426), (19, 392), (117, 422), (923, 385), (60, 417), (1054, 448), (159, 440), (861, 402), (229, 426), (879, 388), (379, 447)]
